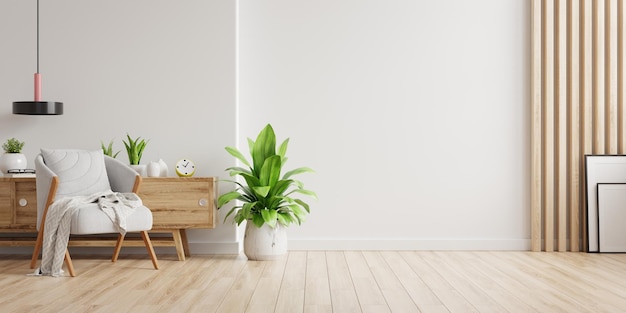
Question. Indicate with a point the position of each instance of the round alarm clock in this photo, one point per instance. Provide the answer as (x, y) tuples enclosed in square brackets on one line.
[(185, 168)]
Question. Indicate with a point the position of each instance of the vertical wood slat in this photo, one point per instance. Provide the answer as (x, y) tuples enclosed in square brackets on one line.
[(577, 108), (586, 97), (598, 76), (548, 123), (586, 101), (573, 87), (610, 76), (560, 100), (536, 126), (621, 115)]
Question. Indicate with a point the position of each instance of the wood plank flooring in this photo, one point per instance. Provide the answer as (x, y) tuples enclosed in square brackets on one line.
[(326, 281)]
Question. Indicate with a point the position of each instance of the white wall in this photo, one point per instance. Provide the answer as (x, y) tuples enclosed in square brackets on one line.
[(162, 70), (413, 113)]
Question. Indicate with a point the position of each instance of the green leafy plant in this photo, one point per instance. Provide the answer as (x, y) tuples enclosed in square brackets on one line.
[(13, 146), (134, 148), (266, 197), (108, 150)]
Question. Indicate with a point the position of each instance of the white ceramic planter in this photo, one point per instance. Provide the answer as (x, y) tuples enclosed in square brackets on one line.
[(265, 243), (140, 169), (12, 161)]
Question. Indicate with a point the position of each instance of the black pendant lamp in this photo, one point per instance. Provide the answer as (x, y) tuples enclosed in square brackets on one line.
[(38, 107)]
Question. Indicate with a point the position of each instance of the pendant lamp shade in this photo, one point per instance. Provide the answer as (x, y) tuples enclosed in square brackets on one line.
[(38, 107)]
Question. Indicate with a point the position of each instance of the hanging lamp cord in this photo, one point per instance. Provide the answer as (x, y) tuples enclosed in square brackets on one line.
[(37, 36)]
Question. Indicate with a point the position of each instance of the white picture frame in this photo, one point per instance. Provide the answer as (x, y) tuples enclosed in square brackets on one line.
[(611, 217), (600, 169)]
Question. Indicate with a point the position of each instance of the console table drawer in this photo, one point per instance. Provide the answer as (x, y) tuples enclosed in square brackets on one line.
[(18, 203), (179, 202), (25, 204)]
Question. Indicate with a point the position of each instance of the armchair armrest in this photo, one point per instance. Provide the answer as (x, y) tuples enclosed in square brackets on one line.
[(122, 177), (44, 178)]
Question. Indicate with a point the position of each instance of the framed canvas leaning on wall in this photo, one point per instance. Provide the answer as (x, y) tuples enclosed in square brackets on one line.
[(599, 169)]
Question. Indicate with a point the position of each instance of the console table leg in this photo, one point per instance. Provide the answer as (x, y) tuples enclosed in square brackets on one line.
[(178, 242), (183, 236)]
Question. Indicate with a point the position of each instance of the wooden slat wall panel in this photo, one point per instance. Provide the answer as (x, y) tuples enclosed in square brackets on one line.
[(577, 73), (536, 125), (573, 94)]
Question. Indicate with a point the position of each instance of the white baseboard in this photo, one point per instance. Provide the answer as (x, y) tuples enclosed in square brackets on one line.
[(215, 247), (401, 244)]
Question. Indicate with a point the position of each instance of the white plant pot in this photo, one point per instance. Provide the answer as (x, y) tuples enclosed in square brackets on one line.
[(265, 243), (140, 169), (10, 161)]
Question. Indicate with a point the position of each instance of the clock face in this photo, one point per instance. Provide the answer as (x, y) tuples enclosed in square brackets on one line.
[(185, 168)]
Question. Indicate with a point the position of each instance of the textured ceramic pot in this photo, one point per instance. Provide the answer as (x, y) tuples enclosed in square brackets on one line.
[(265, 243)]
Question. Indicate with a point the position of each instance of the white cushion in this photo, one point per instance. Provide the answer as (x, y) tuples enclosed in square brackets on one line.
[(80, 172), (90, 219)]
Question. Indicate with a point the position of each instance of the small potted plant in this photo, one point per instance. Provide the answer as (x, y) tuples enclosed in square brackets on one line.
[(12, 157), (134, 148), (108, 150), (265, 199)]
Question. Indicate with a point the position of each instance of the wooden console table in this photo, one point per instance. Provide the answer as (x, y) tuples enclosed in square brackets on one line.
[(176, 203)]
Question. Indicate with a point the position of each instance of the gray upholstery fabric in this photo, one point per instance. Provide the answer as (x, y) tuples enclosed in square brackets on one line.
[(80, 172), (90, 219)]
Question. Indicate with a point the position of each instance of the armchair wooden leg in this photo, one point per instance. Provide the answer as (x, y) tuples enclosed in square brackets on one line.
[(38, 244), (148, 243), (118, 247), (68, 262)]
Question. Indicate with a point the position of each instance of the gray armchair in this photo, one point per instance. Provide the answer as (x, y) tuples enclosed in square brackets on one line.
[(70, 174)]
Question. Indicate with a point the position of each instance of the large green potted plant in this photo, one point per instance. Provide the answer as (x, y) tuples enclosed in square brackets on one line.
[(264, 198), (12, 157)]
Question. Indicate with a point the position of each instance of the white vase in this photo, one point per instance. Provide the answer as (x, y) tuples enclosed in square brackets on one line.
[(265, 243), (163, 167), (139, 168), (10, 161), (153, 169)]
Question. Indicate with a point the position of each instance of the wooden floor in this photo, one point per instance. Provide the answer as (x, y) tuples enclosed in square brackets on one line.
[(331, 281)]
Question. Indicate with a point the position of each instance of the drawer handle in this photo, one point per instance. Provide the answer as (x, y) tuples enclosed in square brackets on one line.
[(22, 202), (203, 202)]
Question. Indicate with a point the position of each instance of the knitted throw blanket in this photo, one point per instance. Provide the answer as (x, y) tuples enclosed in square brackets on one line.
[(117, 206)]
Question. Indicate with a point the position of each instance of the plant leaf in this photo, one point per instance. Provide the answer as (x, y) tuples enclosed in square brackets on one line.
[(237, 154), (269, 216), (296, 171), (261, 191), (297, 211), (284, 218), (227, 197), (304, 205), (305, 192), (258, 220), (282, 150), (238, 171), (270, 172), (264, 147)]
